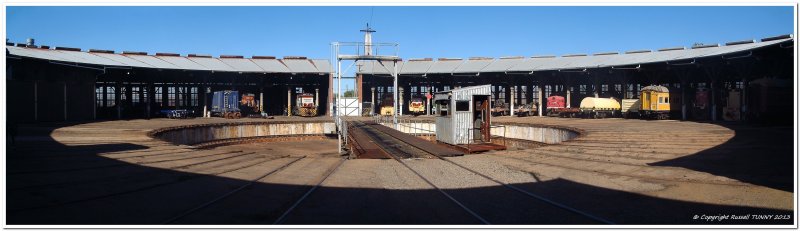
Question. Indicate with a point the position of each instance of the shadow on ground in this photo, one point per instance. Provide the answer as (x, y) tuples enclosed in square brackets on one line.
[(49, 183), (756, 154)]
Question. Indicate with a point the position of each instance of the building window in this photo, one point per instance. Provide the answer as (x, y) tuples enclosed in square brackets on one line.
[(122, 94), (582, 89), (548, 89), (298, 90), (145, 97), (524, 94), (135, 95), (193, 97), (110, 97), (171, 96), (98, 94), (159, 96)]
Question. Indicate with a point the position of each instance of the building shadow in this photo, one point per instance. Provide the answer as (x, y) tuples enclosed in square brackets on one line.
[(89, 189), (760, 155)]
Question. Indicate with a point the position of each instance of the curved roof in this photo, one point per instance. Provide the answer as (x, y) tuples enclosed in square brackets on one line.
[(571, 62), (657, 88), (201, 63)]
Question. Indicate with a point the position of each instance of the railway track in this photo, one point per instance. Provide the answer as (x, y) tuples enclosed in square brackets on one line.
[(393, 148), (231, 193)]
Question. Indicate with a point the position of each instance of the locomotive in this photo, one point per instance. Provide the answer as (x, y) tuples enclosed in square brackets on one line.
[(387, 105), (556, 107), (417, 105), (305, 105)]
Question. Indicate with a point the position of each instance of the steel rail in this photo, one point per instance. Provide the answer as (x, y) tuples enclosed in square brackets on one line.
[(226, 195), (283, 216), (454, 200)]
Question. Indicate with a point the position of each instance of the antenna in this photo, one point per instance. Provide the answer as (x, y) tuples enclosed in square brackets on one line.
[(368, 40)]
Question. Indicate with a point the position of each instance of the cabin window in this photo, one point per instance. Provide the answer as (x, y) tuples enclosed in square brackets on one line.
[(660, 99), (462, 105), (666, 99), (443, 108)]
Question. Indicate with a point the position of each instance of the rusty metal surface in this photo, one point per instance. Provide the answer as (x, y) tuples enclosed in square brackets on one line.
[(432, 148)]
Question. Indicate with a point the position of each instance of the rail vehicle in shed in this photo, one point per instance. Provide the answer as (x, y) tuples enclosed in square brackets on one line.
[(598, 108), (500, 108), (527, 109), (653, 103), (226, 104), (387, 105), (557, 107), (305, 105), (416, 106)]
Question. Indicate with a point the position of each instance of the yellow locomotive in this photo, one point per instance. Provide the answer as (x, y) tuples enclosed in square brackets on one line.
[(387, 105), (654, 102)]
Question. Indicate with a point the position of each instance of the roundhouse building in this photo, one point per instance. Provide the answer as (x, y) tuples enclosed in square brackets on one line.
[(715, 69), (68, 84)]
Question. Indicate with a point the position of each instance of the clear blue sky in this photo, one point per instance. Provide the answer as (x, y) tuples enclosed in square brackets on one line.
[(421, 31)]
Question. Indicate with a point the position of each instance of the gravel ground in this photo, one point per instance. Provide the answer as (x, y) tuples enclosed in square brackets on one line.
[(626, 171)]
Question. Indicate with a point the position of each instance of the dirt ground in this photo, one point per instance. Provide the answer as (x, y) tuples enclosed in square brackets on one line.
[(622, 171)]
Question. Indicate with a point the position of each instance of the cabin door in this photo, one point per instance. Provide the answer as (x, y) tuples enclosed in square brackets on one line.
[(482, 111)]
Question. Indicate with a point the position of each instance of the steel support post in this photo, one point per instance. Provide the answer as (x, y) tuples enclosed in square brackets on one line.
[(394, 74)]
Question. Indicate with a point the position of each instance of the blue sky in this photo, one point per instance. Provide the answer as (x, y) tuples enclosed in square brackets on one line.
[(421, 31)]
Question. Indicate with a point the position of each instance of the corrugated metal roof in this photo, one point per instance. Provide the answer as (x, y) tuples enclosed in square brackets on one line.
[(175, 62), (416, 67), (124, 60), (243, 65), (271, 65), (182, 63), (445, 65), (152, 61), (501, 65), (212, 64), (323, 66), (300, 65), (473, 66)]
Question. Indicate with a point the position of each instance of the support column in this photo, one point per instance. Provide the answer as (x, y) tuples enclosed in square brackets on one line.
[(569, 97), (117, 101), (513, 95), (713, 102), (683, 100), (65, 101), (359, 85), (94, 97), (743, 100), (316, 98), (372, 103), (261, 100), (400, 103), (394, 114), (150, 95), (540, 93), (289, 102), (329, 110), (428, 104)]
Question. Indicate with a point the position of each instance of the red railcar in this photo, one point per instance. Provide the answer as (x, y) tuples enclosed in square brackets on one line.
[(557, 106)]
